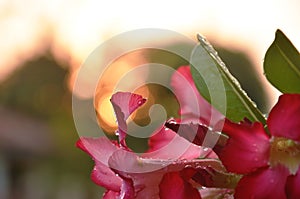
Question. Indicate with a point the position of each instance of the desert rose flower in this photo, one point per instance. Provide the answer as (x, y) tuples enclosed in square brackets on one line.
[(171, 168), (268, 157)]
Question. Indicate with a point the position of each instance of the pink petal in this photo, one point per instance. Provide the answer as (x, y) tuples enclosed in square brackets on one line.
[(166, 144), (175, 187), (199, 135), (129, 162), (192, 105), (124, 103), (127, 189), (292, 186), (194, 133), (100, 150), (247, 148), (264, 183), (146, 174), (284, 118), (111, 195)]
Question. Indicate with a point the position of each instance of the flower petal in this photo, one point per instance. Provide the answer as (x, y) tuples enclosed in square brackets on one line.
[(100, 150), (199, 135), (292, 186), (192, 104), (284, 118), (145, 177), (166, 144), (124, 103), (264, 183), (111, 195), (146, 174), (247, 148), (127, 189), (174, 186)]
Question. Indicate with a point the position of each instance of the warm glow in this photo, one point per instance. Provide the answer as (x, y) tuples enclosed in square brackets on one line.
[(108, 84), (105, 109), (73, 29), (105, 112)]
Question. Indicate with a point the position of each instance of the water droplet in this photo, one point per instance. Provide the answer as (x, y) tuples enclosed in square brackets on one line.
[(255, 147), (172, 121), (187, 166), (205, 149), (184, 161)]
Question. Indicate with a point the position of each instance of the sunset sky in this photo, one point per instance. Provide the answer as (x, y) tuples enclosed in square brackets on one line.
[(73, 28)]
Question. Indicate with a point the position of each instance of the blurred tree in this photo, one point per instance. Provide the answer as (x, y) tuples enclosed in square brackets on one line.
[(38, 90)]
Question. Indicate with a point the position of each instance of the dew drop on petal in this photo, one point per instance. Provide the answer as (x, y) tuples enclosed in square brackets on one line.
[(172, 121), (255, 147), (187, 166), (205, 149)]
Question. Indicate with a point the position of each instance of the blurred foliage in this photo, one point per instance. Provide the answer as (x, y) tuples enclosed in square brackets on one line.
[(39, 89)]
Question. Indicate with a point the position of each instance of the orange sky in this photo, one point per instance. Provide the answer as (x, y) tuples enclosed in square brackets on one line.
[(73, 28)]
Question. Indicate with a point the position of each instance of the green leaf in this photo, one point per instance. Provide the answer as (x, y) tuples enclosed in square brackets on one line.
[(219, 87), (282, 65)]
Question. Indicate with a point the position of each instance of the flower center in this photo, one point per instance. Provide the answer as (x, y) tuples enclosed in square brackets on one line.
[(286, 152)]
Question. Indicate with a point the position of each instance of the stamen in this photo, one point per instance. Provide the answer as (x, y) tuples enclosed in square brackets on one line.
[(285, 152)]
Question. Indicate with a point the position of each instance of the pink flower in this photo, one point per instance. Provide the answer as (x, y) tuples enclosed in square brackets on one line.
[(199, 120), (193, 107), (124, 104), (270, 162), (170, 169), (268, 158)]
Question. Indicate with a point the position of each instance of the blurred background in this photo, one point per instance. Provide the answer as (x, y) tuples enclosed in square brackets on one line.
[(43, 43)]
